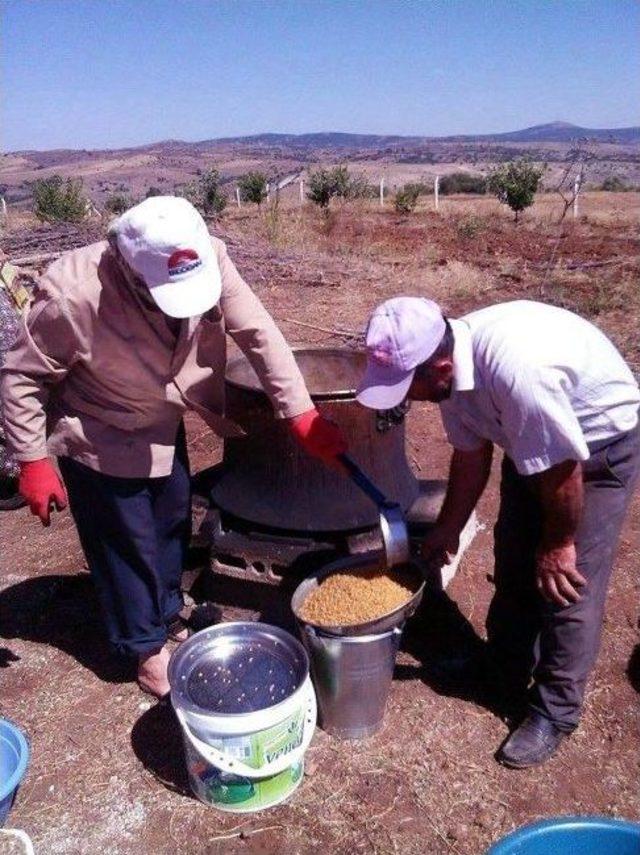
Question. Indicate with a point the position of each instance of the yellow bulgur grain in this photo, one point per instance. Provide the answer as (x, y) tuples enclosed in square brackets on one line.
[(355, 597)]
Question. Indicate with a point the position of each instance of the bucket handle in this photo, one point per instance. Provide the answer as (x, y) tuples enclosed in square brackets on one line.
[(236, 767), (20, 835)]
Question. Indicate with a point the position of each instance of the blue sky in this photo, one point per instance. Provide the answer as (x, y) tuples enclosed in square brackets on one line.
[(107, 73)]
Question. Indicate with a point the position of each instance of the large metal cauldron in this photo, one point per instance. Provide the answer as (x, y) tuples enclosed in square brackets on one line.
[(267, 480)]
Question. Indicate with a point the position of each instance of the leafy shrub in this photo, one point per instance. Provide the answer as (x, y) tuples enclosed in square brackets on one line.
[(360, 188), (57, 199), (515, 184), (419, 187), (407, 198), (469, 227), (253, 187), (614, 184), (117, 203), (462, 182)]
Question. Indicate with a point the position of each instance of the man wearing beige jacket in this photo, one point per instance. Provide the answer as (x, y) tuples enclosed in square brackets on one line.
[(124, 336)]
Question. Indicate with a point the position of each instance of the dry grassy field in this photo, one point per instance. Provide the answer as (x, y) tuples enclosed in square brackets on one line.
[(107, 772)]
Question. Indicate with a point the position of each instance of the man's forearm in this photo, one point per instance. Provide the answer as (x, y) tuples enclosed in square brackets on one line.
[(24, 401), (468, 476), (256, 334), (561, 498)]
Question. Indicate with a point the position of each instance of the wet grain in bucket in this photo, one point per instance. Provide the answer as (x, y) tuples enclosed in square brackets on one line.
[(356, 597)]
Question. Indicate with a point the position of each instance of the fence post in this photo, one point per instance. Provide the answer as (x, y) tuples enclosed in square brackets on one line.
[(302, 191), (576, 193), (436, 191), (238, 197), (382, 192), (3, 209)]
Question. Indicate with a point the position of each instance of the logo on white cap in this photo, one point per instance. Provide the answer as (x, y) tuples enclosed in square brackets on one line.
[(183, 261)]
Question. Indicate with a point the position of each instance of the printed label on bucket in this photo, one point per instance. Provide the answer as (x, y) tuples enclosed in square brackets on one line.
[(236, 792), (265, 746)]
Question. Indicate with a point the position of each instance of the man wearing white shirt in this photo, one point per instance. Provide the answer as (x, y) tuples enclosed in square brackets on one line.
[(553, 392)]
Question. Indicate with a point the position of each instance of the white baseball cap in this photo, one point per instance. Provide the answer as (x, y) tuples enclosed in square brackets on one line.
[(166, 242), (401, 334)]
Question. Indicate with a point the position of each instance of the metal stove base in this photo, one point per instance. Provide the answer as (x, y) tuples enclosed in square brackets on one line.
[(270, 557)]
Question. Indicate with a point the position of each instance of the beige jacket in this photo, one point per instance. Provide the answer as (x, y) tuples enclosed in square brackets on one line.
[(114, 380)]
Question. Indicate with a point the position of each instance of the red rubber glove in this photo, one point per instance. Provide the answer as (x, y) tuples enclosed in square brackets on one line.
[(318, 436), (41, 487)]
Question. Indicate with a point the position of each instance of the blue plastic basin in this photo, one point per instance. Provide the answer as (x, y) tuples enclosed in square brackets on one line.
[(572, 835), (14, 756)]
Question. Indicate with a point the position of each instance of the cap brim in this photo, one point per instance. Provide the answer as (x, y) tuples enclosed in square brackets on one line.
[(186, 298), (382, 387)]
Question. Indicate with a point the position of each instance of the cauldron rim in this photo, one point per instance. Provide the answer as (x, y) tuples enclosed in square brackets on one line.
[(251, 382)]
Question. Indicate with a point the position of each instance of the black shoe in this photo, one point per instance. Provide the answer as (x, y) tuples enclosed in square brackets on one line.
[(534, 742)]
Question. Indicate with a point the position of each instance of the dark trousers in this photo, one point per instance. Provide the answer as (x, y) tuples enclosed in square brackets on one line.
[(135, 533), (529, 637)]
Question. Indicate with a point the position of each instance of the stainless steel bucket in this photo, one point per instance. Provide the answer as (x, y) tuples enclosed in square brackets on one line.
[(352, 665), (352, 676)]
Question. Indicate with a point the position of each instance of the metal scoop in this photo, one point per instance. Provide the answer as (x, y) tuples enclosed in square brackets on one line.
[(392, 522)]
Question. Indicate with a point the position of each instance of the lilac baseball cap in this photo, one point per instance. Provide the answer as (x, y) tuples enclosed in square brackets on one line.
[(401, 334)]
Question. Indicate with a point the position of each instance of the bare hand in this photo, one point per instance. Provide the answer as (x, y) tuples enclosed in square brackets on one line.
[(557, 577), (440, 546)]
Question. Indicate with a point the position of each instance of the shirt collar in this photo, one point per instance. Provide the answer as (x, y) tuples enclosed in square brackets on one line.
[(463, 368)]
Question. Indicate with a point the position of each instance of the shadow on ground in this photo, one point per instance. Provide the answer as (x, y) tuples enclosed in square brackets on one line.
[(633, 668), (156, 740), (60, 611), (452, 657)]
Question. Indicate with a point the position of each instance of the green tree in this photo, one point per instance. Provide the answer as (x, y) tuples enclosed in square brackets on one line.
[(320, 187), (515, 184), (57, 199), (324, 184), (206, 194), (214, 200), (253, 187), (341, 182), (153, 191)]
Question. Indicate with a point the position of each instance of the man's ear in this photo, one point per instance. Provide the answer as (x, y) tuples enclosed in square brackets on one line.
[(113, 240)]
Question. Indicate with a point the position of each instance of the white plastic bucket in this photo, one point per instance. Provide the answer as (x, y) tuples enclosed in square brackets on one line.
[(242, 770)]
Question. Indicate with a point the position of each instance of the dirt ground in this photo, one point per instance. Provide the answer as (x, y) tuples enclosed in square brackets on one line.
[(107, 772)]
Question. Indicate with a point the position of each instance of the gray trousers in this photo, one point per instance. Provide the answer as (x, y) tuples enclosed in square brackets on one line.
[(529, 637)]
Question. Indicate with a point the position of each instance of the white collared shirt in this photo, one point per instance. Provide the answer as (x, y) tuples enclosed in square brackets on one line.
[(540, 382)]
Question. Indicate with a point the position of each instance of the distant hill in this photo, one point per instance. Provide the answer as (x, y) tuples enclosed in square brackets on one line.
[(323, 140), (565, 132), (551, 132)]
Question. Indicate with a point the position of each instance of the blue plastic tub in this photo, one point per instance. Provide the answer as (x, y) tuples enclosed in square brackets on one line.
[(14, 756), (572, 835)]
